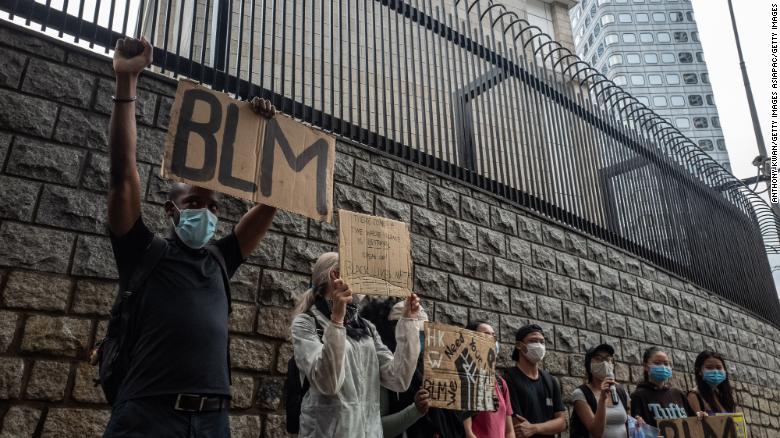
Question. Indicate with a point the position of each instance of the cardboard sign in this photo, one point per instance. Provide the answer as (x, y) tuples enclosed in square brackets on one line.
[(375, 255), (739, 423), (692, 427), (459, 368), (221, 144)]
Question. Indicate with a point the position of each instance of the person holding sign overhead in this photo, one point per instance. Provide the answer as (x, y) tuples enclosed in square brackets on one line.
[(713, 393), (343, 358), (536, 396), (164, 364), (655, 399)]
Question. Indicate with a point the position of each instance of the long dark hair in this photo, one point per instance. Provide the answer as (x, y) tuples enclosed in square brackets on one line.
[(377, 310), (725, 394), (646, 357)]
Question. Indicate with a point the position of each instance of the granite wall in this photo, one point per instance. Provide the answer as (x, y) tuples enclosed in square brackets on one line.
[(475, 257)]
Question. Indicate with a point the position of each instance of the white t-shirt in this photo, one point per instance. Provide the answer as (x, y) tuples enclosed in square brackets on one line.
[(615, 426)]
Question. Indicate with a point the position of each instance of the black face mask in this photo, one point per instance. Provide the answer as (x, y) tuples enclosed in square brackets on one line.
[(355, 325)]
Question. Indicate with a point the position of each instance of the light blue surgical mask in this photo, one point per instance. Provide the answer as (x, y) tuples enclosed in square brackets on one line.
[(660, 373), (196, 226), (714, 377)]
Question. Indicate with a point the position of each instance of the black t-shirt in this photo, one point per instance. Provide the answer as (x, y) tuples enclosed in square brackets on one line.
[(531, 399), (654, 404), (181, 319)]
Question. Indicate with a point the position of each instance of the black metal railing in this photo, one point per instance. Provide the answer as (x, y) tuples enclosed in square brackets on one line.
[(466, 88)]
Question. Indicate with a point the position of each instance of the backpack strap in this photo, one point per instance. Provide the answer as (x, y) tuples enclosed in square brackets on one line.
[(590, 398), (152, 255)]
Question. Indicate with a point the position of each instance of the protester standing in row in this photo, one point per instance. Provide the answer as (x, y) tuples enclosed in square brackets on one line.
[(655, 399), (595, 415), (537, 406), (713, 393), (498, 423), (347, 365), (173, 373)]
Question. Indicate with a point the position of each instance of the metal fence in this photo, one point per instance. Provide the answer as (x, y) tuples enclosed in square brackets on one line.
[(466, 88)]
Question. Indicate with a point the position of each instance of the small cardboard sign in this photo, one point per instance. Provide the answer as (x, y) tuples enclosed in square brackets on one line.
[(459, 368), (375, 255), (221, 144), (707, 427)]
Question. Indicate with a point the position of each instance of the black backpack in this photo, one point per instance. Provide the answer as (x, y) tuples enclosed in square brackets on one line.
[(112, 353), (578, 429), (294, 390)]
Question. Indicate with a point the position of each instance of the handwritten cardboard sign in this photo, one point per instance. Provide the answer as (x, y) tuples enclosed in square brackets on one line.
[(375, 255), (221, 144), (708, 427), (459, 368)]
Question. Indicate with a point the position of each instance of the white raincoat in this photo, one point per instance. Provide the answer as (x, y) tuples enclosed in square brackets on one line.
[(345, 375)]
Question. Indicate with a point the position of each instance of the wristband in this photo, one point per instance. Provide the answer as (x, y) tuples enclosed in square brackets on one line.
[(123, 99), (337, 324)]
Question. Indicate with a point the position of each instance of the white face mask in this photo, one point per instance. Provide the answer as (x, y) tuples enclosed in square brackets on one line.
[(534, 352), (601, 370)]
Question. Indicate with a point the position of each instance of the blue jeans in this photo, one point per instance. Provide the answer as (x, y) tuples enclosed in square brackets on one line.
[(155, 417)]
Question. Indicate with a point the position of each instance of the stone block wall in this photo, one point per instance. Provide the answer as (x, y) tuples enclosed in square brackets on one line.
[(474, 257)]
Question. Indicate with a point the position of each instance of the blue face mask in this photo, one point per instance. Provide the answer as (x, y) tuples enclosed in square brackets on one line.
[(714, 377), (660, 373), (196, 227)]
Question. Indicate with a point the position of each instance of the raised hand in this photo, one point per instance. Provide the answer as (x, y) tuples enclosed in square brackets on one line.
[(264, 107), (412, 306), (341, 296), (132, 56), (422, 401)]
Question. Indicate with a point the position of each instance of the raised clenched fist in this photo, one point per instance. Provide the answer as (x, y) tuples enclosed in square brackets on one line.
[(132, 56)]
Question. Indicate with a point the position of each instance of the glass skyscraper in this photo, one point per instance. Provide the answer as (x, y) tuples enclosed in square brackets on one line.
[(651, 48)]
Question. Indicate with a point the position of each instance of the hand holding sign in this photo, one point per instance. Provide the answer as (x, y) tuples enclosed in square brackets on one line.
[(219, 143)]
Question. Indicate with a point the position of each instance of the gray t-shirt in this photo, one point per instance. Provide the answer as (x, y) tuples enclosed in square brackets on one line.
[(616, 417)]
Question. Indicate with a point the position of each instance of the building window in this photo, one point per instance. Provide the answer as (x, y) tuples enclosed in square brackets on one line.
[(655, 79), (633, 58), (651, 58), (695, 100), (590, 40), (646, 37), (721, 144), (600, 49), (699, 56), (619, 80), (695, 37), (611, 39), (700, 123), (659, 17), (607, 19), (705, 78), (682, 122), (639, 1), (643, 100), (629, 38), (593, 11), (706, 145), (667, 58), (602, 2), (664, 37), (642, 18), (680, 37), (594, 59), (637, 80), (690, 78), (596, 30), (660, 101), (615, 60), (710, 100), (715, 122), (621, 2), (685, 57), (675, 17), (673, 79), (677, 100), (624, 18), (689, 15)]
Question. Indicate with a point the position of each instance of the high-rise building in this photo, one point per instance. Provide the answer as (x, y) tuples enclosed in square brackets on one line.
[(651, 49)]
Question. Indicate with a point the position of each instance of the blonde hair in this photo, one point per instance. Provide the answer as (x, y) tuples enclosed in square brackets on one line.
[(320, 278)]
